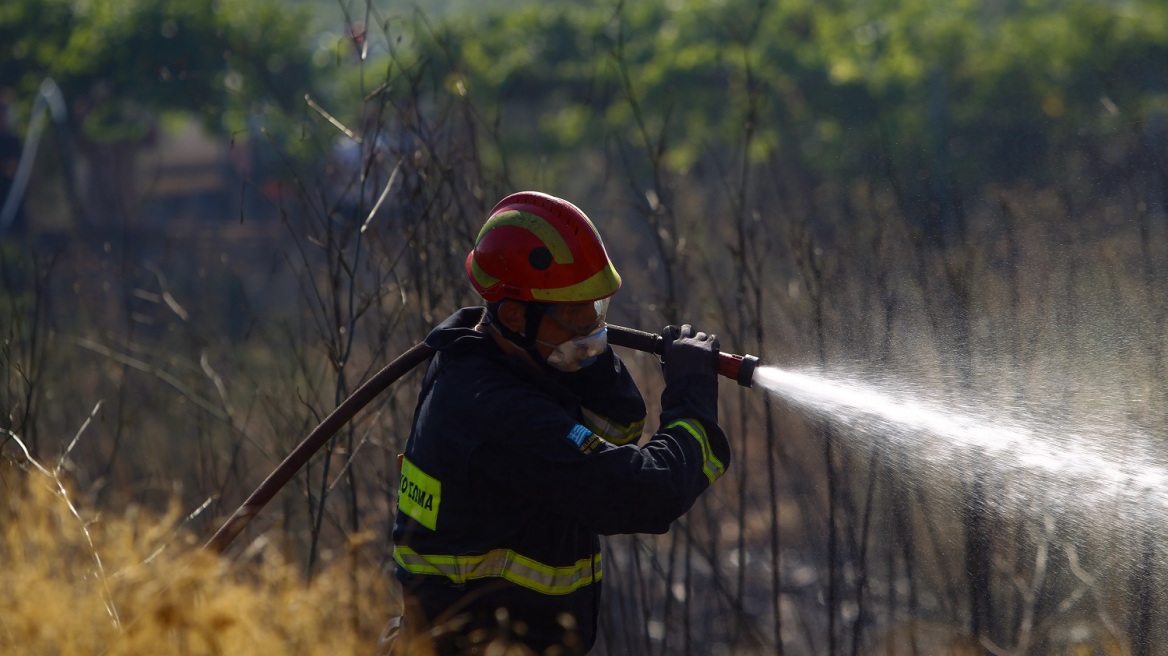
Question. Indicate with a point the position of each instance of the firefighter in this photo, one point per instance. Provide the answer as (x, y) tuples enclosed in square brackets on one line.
[(524, 445)]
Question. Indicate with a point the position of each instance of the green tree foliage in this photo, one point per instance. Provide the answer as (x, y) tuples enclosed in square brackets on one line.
[(158, 55), (975, 90)]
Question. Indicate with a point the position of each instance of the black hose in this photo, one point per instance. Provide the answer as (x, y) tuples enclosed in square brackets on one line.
[(316, 439), (735, 367), (638, 340), (739, 368)]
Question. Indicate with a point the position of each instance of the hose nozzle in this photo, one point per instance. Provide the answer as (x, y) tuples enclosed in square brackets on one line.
[(739, 368)]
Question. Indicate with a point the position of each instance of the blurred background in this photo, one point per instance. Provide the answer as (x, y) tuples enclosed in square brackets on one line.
[(219, 218)]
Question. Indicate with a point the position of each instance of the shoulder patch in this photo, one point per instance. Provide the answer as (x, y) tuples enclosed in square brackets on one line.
[(583, 438)]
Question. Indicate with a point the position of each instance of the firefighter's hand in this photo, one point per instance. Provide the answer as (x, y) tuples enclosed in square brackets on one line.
[(688, 352)]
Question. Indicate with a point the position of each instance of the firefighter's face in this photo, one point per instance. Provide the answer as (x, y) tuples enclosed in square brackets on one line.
[(572, 336), (575, 319), (564, 323)]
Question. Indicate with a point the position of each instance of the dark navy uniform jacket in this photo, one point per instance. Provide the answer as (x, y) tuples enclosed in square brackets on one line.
[(510, 474)]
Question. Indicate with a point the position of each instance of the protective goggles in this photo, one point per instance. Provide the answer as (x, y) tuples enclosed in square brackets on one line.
[(586, 322), (580, 319)]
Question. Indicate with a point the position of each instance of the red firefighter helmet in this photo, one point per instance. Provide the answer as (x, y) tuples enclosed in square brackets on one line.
[(536, 247)]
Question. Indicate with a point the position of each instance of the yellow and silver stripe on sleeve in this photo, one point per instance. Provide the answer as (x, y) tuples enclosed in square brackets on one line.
[(506, 564), (610, 431), (711, 466)]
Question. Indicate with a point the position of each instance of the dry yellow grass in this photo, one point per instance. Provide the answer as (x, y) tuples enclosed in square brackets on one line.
[(73, 581)]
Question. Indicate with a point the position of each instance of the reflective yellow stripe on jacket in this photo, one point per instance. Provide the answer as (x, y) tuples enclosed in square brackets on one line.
[(611, 431), (505, 564), (712, 467)]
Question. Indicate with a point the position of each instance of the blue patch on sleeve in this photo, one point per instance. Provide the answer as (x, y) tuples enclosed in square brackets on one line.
[(578, 435)]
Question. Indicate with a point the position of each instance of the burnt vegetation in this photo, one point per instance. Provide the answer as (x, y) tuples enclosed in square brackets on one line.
[(970, 199)]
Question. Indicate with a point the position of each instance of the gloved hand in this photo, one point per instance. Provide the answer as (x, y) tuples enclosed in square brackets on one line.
[(688, 352)]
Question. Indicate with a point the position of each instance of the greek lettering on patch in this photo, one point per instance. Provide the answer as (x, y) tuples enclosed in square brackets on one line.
[(419, 495)]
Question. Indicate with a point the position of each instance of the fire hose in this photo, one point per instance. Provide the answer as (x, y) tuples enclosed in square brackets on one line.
[(739, 368)]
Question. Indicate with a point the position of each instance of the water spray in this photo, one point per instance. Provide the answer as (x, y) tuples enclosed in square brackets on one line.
[(739, 368)]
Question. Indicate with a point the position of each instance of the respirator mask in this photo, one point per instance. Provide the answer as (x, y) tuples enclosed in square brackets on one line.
[(582, 350)]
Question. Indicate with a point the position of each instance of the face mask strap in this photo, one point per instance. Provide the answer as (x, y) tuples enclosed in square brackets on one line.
[(532, 315)]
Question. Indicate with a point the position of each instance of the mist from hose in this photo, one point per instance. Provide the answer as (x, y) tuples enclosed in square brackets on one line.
[(1081, 473)]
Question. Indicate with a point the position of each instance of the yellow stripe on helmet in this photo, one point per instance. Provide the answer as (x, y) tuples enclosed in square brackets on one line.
[(546, 232), (484, 279), (602, 284)]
